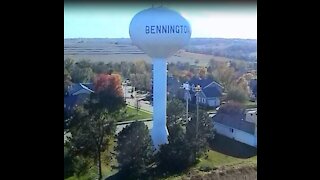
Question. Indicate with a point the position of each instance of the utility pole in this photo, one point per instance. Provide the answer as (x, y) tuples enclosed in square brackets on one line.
[(125, 91), (198, 89), (186, 87)]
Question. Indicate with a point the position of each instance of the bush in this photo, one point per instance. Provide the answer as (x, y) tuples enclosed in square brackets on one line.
[(135, 150), (176, 155)]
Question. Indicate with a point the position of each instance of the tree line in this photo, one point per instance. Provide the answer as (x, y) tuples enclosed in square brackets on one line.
[(93, 141)]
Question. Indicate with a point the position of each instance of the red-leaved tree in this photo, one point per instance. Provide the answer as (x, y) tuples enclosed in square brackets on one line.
[(108, 93), (103, 82)]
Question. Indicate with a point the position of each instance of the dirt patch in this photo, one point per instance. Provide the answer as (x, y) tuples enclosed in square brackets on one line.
[(227, 173)]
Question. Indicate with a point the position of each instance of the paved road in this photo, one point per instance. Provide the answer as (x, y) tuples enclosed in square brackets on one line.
[(145, 105), (120, 127)]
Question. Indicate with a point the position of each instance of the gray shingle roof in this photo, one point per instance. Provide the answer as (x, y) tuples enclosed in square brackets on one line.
[(236, 121), (209, 87), (211, 92), (202, 82)]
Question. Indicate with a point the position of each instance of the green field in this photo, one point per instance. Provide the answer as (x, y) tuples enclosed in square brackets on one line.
[(132, 114)]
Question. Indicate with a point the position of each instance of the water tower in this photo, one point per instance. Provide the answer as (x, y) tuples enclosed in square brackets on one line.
[(159, 32)]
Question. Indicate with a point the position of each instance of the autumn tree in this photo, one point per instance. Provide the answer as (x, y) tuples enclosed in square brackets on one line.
[(109, 94), (202, 72), (221, 72)]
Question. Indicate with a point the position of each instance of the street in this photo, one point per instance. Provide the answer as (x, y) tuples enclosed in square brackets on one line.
[(120, 127), (145, 105)]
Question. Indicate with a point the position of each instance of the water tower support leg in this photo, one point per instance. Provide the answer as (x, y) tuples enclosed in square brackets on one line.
[(159, 131)]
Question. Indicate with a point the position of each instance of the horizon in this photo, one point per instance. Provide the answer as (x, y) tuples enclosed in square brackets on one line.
[(190, 38), (236, 21)]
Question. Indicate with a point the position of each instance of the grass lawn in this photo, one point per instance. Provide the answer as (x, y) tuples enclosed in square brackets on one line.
[(250, 104), (132, 114), (216, 159)]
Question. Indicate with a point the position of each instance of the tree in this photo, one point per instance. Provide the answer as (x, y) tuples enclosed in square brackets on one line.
[(147, 82), (213, 64), (226, 75), (141, 81), (84, 64), (198, 139), (237, 94), (135, 150), (81, 75), (125, 69), (176, 111), (176, 155), (240, 66), (68, 164), (93, 124), (141, 66), (232, 107), (68, 64), (202, 73), (109, 94), (99, 68), (92, 133), (67, 80)]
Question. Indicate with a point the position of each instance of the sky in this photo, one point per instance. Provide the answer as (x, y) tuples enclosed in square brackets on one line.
[(206, 20)]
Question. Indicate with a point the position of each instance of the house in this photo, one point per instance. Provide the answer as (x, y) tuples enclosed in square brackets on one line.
[(251, 115), (240, 126), (253, 89), (76, 95), (210, 92)]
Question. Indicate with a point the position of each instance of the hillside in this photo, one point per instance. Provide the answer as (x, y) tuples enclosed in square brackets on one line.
[(121, 49), (245, 49)]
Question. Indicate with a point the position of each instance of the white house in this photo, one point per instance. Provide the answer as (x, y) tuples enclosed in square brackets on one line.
[(251, 115), (241, 127)]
